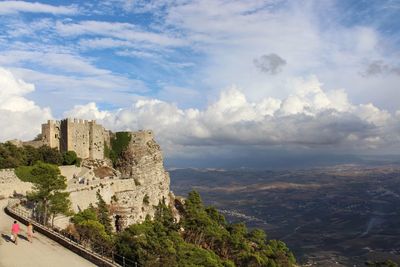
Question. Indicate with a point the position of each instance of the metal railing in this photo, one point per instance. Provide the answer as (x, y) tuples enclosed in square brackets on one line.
[(101, 256)]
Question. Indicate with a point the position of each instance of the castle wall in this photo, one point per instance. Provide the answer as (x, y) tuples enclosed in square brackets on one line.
[(142, 137), (97, 137), (78, 137), (35, 144), (51, 134), (10, 183), (84, 137)]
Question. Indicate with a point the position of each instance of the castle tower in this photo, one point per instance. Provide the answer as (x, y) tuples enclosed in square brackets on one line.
[(51, 133), (84, 137)]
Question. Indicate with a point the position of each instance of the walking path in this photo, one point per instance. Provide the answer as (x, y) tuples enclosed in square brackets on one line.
[(43, 252)]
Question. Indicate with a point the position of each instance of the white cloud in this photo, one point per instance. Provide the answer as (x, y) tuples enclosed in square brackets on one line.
[(63, 62), (88, 111), (232, 35), (123, 31), (220, 40), (67, 90), (299, 121), (20, 118), (11, 7)]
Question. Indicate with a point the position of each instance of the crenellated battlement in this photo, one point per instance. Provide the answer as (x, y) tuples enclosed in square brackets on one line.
[(85, 137)]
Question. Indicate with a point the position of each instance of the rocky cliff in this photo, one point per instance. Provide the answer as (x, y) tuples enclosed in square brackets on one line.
[(138, 184), (142, 162)]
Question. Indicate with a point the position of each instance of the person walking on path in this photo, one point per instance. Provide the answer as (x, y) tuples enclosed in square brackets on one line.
[(29, 231), (15, 231)]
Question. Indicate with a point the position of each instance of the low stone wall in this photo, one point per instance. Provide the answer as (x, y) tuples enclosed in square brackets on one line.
[(10, 184)]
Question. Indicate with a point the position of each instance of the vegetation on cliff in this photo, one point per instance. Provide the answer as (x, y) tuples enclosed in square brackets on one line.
[(201, 238), (89, 229), (387, 263), (119, 143), (12, 156)]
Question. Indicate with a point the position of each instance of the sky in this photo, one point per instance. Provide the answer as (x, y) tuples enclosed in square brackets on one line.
[(217, 81)]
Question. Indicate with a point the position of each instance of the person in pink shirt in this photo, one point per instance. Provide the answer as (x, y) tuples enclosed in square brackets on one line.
[(15, 231)]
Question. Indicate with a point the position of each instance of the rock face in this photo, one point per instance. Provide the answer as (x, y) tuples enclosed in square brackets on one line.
[(139, 183), (142, 161)]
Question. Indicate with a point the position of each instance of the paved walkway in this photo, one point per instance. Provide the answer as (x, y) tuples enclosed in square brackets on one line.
[(43, 252)]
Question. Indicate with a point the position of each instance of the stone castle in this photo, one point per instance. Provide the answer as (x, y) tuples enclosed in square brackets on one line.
[(136, 185), (85, 137)]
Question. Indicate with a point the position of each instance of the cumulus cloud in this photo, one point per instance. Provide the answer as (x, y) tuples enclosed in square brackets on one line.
[(270, 64), (88, 111), (311, 118), (233, 35), (20, 118)]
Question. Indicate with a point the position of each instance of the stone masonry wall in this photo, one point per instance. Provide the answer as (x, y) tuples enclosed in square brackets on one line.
[(51, 133), (9, 183), (84, 137), (98, 136), (78, 137)]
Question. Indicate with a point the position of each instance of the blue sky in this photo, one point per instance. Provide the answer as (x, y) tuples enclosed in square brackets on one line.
[(318, 76)]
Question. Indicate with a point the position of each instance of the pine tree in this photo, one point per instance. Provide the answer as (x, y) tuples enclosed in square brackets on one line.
[(48, 184), (103, 213)]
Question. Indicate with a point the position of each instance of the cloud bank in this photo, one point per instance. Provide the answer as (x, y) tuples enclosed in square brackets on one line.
[(309, 119), (20, 118), (169, 66)]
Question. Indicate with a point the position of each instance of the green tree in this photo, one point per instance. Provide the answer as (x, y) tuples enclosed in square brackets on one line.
[(387, 263), (163, 215), (159, 243), (92, 231), (59, 203), (32, 155), (48, 184), (201, 238), (50, 155), (70, 158), (11, 156), (103, 213), (206, 227)]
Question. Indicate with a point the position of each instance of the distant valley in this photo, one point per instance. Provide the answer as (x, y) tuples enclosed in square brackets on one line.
[(333, 216)]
